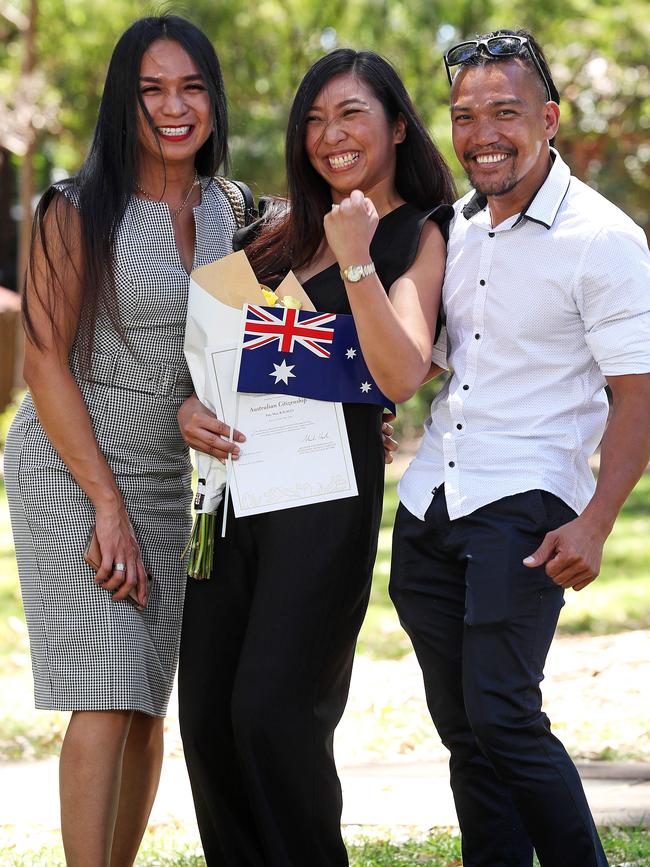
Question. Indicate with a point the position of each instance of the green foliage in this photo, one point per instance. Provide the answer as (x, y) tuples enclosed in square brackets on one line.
[(410, 415), (597, 49)]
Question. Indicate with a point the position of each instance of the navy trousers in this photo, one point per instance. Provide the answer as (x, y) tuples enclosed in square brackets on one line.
[(481, 624)]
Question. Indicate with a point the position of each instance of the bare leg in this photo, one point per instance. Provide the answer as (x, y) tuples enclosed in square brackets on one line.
[(89, 783), (141, 766)]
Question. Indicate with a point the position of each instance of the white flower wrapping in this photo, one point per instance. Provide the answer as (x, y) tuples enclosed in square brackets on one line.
[(217, 293)]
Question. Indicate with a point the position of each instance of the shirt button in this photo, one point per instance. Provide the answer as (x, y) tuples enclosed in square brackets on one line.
[(491, 234), (466, 388), (459, 426), (482, 282), (452, 464), (477, 337)]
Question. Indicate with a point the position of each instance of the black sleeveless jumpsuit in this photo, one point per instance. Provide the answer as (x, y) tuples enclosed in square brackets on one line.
[(268, 643)]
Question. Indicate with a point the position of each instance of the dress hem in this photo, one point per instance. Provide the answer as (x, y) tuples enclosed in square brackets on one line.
[(71, 707)]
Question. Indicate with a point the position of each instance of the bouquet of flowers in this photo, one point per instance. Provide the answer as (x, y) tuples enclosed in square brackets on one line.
[(217, 294)]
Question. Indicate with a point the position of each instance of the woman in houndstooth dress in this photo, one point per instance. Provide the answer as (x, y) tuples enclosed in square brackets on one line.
[(97, 440)]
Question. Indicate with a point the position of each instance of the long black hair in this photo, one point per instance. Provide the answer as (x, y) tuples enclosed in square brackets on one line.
[(422, 177), (105, 181)]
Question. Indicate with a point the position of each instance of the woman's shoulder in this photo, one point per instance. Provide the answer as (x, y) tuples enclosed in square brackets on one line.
[(58, 213), (409, 217), (401, 228), (234, 196), (441, 215), (69, 188), (397, 240)]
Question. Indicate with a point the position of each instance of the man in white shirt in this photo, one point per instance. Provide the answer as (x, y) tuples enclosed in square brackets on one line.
[(547, 298)]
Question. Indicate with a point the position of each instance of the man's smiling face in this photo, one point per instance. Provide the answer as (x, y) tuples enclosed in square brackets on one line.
[(501, 126)]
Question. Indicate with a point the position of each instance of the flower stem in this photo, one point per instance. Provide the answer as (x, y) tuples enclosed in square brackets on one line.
[(201, 547)]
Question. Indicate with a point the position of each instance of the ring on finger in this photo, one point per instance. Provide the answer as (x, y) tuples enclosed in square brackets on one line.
[(119, 567), (335, 207)]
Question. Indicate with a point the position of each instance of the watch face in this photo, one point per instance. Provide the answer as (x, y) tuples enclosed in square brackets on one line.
[(355, 273)]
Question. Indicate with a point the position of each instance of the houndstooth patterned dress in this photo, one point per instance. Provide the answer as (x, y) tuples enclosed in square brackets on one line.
[(89, 653)]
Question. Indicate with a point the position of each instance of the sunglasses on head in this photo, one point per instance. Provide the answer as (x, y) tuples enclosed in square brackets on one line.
[(495, 46)]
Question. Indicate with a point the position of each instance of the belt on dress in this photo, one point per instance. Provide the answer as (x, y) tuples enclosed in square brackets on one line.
[(124, 371)]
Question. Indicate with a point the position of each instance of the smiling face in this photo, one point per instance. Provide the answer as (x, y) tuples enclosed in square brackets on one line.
[(175, 95), (350, 142), (501, 127)]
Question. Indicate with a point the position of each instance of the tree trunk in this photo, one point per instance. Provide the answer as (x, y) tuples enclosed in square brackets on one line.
[(7, 226), (26, 182), (26, 193)]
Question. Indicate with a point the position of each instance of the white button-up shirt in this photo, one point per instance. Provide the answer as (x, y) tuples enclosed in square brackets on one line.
[(540, 309)]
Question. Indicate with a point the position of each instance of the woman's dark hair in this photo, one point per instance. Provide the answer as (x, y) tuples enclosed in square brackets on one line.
[(106, 179), (422, 176)]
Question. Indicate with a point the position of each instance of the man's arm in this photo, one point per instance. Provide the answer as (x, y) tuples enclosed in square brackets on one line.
[(573, 552)]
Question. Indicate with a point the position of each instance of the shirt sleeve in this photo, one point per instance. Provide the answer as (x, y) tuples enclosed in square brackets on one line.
[(613, 297), (439, 351)]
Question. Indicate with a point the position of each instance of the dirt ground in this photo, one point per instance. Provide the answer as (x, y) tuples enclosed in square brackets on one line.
[(596, 693)]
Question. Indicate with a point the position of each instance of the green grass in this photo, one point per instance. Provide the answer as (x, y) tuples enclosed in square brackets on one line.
[(170, 847), (620, 597), (618, 600)]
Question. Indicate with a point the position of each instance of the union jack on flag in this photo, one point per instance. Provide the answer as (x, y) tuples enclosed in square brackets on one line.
[(265, 325), (304, 354)]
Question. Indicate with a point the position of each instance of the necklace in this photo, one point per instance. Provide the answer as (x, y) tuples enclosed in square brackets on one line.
[(195, 181)]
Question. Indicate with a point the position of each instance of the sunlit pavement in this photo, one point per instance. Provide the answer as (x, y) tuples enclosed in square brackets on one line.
[(397, 795)]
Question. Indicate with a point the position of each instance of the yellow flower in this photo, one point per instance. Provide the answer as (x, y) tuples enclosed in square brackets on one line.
[(270, 298)]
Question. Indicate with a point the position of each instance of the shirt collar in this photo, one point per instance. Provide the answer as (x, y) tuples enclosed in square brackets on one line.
[(544, 205)]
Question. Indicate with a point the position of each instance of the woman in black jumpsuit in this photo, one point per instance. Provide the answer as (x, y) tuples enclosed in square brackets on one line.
[(268, 643)]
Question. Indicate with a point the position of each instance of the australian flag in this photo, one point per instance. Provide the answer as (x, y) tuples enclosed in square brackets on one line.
[(305, 354)]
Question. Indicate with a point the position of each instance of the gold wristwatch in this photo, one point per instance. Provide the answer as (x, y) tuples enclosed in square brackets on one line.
[(354, 273)]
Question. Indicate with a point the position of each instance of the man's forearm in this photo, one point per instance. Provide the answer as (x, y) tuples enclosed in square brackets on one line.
[(625, 450)]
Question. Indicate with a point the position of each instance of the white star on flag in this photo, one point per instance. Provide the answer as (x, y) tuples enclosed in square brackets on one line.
[(365, 387), (350, 353), (282, 372)]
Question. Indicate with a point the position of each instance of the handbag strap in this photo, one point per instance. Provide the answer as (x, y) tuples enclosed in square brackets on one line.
[(240, 199)]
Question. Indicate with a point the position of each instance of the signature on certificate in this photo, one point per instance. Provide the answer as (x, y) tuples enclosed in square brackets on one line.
[(316, 436)]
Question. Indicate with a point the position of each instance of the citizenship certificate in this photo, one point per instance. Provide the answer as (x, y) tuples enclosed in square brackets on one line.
[(296, 452)]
